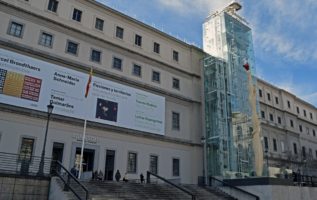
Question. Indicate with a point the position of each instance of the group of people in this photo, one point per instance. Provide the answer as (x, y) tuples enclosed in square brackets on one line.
[(125, 178), (99, 175)]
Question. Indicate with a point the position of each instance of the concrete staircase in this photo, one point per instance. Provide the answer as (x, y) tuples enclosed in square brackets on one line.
[(135, 191)]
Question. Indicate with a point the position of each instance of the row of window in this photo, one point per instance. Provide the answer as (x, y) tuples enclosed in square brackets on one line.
[(288, 104), (132, 164), (46, 39), (295, 151), (27, 145), (279, 120), (119, 32)]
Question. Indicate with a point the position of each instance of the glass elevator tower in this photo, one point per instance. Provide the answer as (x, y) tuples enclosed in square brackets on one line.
[(228, 126)]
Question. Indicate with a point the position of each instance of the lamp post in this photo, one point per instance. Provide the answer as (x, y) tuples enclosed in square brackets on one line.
[(267, 161), (50, 108)]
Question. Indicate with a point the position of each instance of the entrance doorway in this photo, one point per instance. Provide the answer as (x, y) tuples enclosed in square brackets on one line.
[(57, 154), (88, 159), (109, 166)]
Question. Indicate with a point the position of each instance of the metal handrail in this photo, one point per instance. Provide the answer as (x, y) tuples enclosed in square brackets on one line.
[(148, 180), (67, 182), (234, 187)]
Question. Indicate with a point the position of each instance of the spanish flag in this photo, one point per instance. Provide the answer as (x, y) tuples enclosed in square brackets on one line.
[(88, 83)]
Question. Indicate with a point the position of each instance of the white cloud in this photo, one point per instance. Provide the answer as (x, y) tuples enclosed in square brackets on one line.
[(191, 6), (287, 28)]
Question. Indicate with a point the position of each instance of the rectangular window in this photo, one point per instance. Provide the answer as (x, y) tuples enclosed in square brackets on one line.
[(99, 24), (288, 104), (15, 29), (156, 47), (137, 70), (52, 5), (268, 97), (274, 145), (175, 167), (271, 117), (282, 147), (292, 124), (307, 131), (119, 32), (132, 162), (176, 83), (117, 63), (316, 154), (304, 152), (276, 100), (46, 40), (77, 15), (300, 128), (153, 164), (26, 150), (310, 153), (72, 47), (175, 55), (138, 40), (95, 56), (295, 148), (311, 115), (175, 121), (314, 133), (260, 92), (279, 120), (266, 143), (297, 108), (304, 113), (156, 76), (263, 114)]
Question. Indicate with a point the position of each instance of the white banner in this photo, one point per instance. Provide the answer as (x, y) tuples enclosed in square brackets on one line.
[(32, 83)]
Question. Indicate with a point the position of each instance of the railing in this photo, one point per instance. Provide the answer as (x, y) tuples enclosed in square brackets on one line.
[(304, 180), (148, 180), (24, 165), (213, 182), (70, 181)]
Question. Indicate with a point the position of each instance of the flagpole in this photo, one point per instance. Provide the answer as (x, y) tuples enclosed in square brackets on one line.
[(85, 125), (82, 150)]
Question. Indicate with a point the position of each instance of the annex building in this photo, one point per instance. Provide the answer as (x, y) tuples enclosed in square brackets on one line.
[(155, 103)]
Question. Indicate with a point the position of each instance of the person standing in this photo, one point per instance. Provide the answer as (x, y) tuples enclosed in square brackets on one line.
[(118, 176)]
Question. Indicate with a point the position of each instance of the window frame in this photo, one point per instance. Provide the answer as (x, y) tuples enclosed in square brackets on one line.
[(97, 19), (176, 124), (175, 56), (295, 148), (156, 47), (157, 163), (266, 143), (133, 70), (92, 50), (260, 93), (32, 150), (177, 86), (153, 76), (40, 39), (54, 2), (274, 144), (67, 47), (138, 40), (79, 13), (14, 34), (119, 32), (135, 167), (113, 63), (177, 174)]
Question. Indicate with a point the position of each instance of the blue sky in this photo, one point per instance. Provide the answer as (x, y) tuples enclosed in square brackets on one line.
[(284, 34)]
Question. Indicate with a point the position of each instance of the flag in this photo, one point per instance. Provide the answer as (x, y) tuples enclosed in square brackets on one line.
[(246, 66), (88, 83)]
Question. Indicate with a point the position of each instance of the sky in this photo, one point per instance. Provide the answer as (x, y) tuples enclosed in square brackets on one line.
[(284, 34)]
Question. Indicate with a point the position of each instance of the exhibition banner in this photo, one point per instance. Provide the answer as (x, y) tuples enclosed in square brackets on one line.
[(31, 83)]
